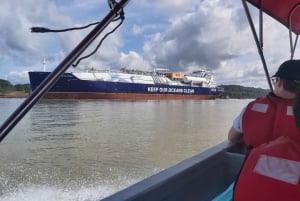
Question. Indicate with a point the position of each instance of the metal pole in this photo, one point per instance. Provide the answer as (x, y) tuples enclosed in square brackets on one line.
[(261, 26), (260, 51), (292, 47), (28, 103)]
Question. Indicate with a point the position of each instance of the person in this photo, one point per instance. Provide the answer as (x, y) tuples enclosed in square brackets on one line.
[(271, 126), (269, 117)]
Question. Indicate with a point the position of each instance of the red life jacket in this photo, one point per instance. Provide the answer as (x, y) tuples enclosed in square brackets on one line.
[(268, 118), (271, 173)]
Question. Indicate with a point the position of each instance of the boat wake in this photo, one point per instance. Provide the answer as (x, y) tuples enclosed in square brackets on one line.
[(56, 193), (52, 193)]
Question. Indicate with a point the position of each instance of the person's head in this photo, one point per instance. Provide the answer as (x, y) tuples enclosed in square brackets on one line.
[(287, 79)]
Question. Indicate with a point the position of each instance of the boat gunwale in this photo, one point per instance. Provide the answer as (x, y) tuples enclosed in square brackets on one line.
[(172, 183)]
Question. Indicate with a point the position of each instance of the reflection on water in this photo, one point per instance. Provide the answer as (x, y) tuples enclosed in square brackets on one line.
[(86, 150)]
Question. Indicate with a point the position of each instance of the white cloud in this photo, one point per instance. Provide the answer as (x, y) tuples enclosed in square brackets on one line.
[(19, 77), (133, 60), (169, 6), (198, 37), (136, 30)]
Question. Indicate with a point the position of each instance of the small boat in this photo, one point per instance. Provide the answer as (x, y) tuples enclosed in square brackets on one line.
[(203, 176), (208, 174), (130, 84)]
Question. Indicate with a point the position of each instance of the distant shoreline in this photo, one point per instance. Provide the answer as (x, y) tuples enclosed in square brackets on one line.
[(14, 94)]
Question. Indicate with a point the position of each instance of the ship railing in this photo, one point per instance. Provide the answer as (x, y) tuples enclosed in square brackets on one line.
[(155, 79), (158, 79), (135, 71)]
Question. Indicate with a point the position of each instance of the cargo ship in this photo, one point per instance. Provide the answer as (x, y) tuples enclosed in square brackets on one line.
[(130, 84)]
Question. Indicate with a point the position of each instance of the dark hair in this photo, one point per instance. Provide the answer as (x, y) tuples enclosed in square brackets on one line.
[(290, 85), (296, 108)]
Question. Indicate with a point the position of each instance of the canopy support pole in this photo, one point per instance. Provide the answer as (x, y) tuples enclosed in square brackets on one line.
[(257, 41), (292, 46), (261, 26)]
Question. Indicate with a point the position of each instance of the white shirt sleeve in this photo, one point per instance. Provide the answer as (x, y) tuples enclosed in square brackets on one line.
[(238, 122)]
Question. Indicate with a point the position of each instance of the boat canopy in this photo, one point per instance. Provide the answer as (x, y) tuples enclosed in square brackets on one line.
[(286, 12)]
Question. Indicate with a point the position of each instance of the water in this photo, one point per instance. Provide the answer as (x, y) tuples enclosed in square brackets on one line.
[(88, 149)]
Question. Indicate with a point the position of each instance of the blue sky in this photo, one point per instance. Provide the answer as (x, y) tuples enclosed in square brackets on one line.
[(182, 35)]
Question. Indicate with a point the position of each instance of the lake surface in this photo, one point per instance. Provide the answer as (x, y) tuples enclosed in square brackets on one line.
[(82, 150)]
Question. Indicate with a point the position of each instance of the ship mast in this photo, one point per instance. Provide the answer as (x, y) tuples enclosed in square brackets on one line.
[(44, 64)]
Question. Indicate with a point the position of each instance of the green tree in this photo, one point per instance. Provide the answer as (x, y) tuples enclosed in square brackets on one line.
[(22, 87), (240, 92), (5, 85)]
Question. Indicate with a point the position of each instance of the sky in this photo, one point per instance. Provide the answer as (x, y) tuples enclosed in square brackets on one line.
[(181, 35)]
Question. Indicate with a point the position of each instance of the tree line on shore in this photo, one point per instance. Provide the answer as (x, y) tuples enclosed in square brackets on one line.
[(6, 86), (241, 92)]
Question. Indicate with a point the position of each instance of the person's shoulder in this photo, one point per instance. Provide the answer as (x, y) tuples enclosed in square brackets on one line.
[(273, 98), (261, 100), (269, 97)]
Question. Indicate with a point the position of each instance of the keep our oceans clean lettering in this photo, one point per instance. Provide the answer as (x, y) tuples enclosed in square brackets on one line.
[(170, 90)]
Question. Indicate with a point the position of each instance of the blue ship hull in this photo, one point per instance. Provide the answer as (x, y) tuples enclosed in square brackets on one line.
[(70, 87)]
